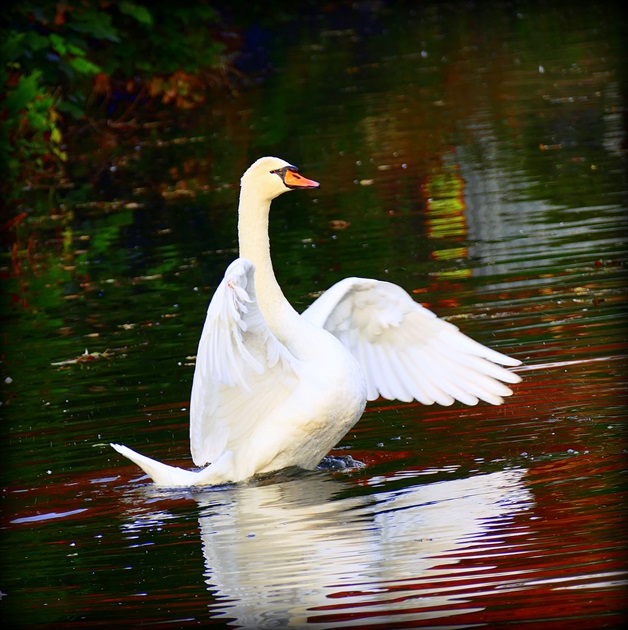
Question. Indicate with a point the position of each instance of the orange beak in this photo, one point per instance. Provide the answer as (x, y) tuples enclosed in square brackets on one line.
[(293, 180)]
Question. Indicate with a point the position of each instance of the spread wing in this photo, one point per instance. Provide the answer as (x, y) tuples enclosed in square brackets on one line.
[(242, 370), (406, 352)]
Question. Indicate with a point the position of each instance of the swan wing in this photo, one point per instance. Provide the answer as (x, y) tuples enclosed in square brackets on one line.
[(407, 352), (242, 370)]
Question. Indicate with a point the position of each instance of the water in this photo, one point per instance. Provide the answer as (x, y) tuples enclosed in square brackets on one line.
[(471, 156)]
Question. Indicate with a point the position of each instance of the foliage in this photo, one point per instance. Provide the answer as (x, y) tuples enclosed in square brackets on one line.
[(30, 139), (77, 60)]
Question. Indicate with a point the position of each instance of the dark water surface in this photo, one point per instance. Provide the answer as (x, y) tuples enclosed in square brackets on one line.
[(473, 156)]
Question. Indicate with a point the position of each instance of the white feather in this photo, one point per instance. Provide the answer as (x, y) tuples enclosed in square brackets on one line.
[(405, 350)]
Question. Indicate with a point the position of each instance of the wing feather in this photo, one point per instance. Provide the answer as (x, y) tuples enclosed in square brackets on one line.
[(242, 370), (406, 351)]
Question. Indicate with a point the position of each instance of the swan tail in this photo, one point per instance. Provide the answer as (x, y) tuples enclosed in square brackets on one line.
[(168, 476)]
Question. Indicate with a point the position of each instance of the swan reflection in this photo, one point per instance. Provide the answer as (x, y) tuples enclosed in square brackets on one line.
[(298, 553)]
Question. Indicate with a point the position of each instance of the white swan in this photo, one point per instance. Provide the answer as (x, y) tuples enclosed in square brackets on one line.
[(273, 388)]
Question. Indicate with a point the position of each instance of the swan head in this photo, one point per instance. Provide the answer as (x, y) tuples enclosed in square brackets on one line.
[(272, 176)]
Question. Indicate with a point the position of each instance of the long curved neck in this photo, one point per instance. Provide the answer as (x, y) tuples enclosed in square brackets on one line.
[(254, 245)]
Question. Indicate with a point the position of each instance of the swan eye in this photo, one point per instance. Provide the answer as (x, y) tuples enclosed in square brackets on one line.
[(283, 170)]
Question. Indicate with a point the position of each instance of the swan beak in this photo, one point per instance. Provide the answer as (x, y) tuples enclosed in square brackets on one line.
[(293, 180)]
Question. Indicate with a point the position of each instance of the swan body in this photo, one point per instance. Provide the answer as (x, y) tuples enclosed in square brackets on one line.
[(273, 388)]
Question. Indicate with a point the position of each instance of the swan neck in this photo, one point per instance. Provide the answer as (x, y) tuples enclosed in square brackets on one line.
[(254, 244)]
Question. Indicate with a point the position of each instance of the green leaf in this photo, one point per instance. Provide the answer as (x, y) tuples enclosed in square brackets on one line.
[(58, 44), (96, 24), (73, 49), (83, 66), (16, 45), (23, 93), (76, 110), (38, 122), (12, 45), (35, 41), (141, 14)]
